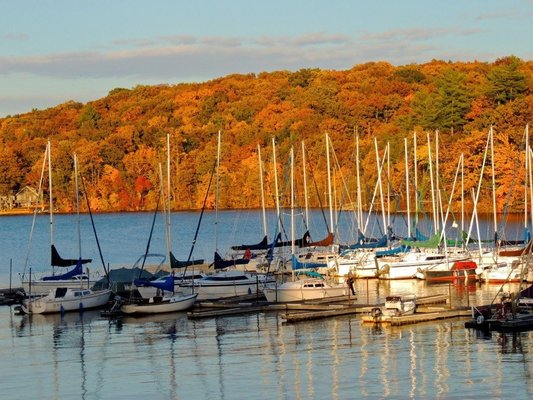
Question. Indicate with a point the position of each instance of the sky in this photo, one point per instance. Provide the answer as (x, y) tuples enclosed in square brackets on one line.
[(53, 51)]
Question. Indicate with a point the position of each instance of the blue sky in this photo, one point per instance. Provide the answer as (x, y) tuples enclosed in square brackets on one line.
[(52, 51)]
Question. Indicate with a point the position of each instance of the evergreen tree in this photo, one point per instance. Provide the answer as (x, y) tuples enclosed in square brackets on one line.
[(453, 100), (505, 81)]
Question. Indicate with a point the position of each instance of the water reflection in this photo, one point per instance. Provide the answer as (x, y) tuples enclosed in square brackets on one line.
[(255, 356)]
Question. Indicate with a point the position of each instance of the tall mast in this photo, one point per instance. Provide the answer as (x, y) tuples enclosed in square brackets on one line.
[(415, 167), (493, 182), (359, 199), (435, 222), (407, 189), (278, 216), (380, 185), (169, 243), (293, 247), (388, 185), (329, 186), (526, 183), (51, 201), (77, 202), (306, 203), (262, 189), (216, 192)]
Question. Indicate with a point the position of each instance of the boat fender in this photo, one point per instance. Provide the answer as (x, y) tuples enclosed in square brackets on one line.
[(61, 309), (376, 312), (480, 319), (81, 307)]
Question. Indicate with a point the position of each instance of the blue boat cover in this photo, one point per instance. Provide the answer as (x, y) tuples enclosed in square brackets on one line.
[(77, 270), (167, 284), (304, 265)]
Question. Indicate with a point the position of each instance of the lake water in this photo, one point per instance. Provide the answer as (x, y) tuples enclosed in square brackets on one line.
[(253, 356)]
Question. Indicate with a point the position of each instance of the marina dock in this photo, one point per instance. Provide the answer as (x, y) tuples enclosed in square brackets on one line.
[(430, 308)]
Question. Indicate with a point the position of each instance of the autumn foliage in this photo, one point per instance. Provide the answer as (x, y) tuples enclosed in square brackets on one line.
[(120, 139)]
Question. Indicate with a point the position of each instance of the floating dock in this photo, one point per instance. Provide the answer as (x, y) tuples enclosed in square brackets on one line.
[(325, 308)]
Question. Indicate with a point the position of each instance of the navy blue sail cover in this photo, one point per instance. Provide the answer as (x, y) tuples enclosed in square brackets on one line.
[(77, 270)]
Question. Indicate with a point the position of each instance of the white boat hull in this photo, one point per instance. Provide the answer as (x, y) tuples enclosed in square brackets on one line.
[(167, 304), (52, 304), (40, 287), (296, 291), (226, 284)]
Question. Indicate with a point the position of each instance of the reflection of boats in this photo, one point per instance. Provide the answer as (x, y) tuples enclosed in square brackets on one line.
[(395, 306), (67, 299)]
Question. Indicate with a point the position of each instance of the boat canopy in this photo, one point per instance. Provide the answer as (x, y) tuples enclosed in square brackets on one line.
[(77, 270)]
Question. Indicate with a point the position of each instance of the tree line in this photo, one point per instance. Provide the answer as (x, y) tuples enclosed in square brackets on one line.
[(120, 139)]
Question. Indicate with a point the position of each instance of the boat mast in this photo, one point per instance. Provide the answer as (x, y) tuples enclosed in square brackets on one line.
[(435, 222), (415, 166), (51, 202), (77, 202), (388, 188), (278, 227), (407, 189), (526, 181), (380, 185), (305, 188), (493, 187), (262, 189), (216, 192), (329, 186), (169, 243), (359, 199), (293, 247)]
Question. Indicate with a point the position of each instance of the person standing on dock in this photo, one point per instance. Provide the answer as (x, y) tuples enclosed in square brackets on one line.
[(350, 282)]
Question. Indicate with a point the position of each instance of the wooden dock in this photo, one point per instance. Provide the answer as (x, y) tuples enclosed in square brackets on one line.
[(310, 310), (420, 316)]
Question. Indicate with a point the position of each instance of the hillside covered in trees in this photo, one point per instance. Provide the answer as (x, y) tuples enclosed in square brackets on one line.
[(121, 139)]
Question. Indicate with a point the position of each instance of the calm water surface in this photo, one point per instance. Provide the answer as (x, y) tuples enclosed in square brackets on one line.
[(253, 356)]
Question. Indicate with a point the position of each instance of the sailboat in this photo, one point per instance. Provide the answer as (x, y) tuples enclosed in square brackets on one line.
[(227, 281), (166, 298), (148, 288), (75, 278), (310, 286), (66, 298)]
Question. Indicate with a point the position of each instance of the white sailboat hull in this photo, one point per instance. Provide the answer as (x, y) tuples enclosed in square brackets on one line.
[(167, 304), (73, 300), (40, 287), (302, 290), (225, 284)]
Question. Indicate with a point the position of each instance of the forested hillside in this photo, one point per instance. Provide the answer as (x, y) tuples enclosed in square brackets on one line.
[(121, 138)]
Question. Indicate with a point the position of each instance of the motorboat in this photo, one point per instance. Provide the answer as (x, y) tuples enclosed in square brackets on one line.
[(395, 306)]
